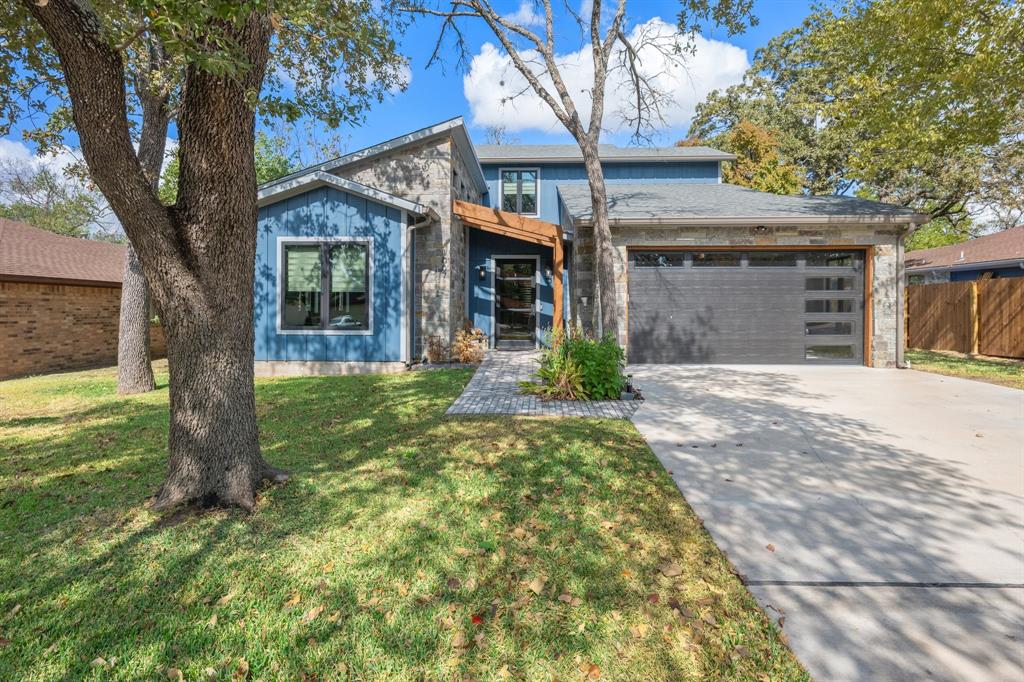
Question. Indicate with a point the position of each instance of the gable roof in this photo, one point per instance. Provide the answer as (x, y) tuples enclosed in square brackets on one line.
[(1007, 245), (29, 254), (552, 153), (286, 188), (454, 126), (723, 204)]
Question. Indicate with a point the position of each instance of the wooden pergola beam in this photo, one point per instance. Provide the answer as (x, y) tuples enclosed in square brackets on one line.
[(525, 229)]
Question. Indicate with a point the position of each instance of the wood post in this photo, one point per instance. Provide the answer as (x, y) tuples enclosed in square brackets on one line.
[(975, 319), (556, 276)]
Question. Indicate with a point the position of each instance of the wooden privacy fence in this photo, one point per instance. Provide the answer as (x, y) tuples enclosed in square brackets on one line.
[(982, 317)]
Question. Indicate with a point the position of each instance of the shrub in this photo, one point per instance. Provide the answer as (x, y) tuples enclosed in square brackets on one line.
[(436, 351), (469, 345), (578, 367)]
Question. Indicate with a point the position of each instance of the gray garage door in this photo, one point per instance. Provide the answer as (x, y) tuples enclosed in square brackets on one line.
[(746, 307)]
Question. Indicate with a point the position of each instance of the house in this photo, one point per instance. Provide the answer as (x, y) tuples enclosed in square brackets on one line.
[(60, 301), (364, 259), (995, 255)]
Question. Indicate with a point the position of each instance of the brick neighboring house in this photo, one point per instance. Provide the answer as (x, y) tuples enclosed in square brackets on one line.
[(60, 301)]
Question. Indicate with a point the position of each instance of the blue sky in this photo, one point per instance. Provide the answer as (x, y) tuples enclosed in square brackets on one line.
[(436, 94)]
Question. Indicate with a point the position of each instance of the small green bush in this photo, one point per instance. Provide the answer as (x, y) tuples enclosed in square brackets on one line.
[(576, 366)]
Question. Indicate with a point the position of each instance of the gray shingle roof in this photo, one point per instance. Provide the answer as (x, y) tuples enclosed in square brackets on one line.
[(718, 203), (495, 153)]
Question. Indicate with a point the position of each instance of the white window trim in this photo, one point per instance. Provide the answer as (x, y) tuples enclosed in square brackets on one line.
[(501, 195), (537, 282), (281, 242)]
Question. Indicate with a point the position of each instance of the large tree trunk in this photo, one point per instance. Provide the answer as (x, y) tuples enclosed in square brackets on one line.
[(134, 369), (198, 255), (604, 253)]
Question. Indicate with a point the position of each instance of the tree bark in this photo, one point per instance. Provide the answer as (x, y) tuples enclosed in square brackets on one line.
[(197, 255), (134, 357), (604, 260), (134, 369)]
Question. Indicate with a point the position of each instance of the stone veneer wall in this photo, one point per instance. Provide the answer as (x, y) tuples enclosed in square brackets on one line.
[(431, 173), (887, 287), (57, 327), (422, 173)]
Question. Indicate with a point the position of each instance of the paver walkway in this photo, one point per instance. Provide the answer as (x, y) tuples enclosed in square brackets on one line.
[(494, 389)]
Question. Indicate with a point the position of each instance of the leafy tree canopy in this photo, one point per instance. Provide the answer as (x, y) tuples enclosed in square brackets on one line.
[(32, 193), (902, 98), (759, 163), (328, 60)]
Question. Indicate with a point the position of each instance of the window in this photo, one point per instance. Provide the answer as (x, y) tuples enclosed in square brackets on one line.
[(519, 191), (829, 259), (660, 260), (829, 283), (829, 305), (829, 352), (772, 259), (326, 287), (828, 328), (720, 259)]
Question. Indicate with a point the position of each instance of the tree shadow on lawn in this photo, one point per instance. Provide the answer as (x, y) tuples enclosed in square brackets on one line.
[(410, 530)]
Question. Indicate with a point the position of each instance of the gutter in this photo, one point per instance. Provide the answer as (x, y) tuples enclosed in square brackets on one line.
[(980, 265), (616, 159), (915, 219)]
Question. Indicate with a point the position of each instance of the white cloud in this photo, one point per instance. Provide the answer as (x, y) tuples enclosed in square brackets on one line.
[(493, 83), (19, 151), (526, 15)]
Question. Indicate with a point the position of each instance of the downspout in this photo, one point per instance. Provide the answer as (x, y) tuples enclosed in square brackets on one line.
[(421, 221)]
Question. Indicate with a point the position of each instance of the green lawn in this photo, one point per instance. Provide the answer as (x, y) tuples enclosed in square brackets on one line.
[(406, 546), (992, 370)]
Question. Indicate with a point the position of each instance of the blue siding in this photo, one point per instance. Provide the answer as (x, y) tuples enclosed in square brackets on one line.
[(327, 212), (970, 275), (552, 174), (483, 246)]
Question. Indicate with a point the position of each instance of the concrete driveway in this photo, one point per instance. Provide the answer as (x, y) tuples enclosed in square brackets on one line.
[(880, 512)]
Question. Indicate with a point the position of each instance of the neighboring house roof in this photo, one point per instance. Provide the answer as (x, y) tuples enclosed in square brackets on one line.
[(550, 153), (455, 127), (991, 250), (286, 188), (28, 254), (723, 204)]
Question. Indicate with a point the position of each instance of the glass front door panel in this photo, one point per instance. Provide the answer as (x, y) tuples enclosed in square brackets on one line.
[(515, 299)]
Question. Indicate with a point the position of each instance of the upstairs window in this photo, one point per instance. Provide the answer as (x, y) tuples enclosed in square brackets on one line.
[(326, 287), (519, 191)]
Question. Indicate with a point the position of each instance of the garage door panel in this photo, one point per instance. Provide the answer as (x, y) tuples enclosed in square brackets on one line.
[(745, 314)]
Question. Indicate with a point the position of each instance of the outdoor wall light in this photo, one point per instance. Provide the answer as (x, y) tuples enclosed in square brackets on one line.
[(481, 271), (547, 271)]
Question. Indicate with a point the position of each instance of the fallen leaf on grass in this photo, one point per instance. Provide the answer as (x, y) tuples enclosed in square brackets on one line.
[(293, 600), (639, 631), (743, 651), (460, 641), (99, 662), (670, 570), (476, 619), (213, 621), (6, 642), (453, 583), (226, 598), (567, 598), (537, 584), (591, 671), (242, 671), (14, 611), (329, 567), (310, 616), (709, 619), (653, 597), (171, 674)]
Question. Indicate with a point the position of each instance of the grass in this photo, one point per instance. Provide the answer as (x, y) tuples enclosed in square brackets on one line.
[(406, 546), (992, 370)]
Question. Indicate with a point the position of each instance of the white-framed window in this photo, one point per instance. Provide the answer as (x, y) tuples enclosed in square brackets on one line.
[(325, 286), (520, 190)]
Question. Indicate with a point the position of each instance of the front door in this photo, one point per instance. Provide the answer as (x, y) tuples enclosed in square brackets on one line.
[(515, 286)]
